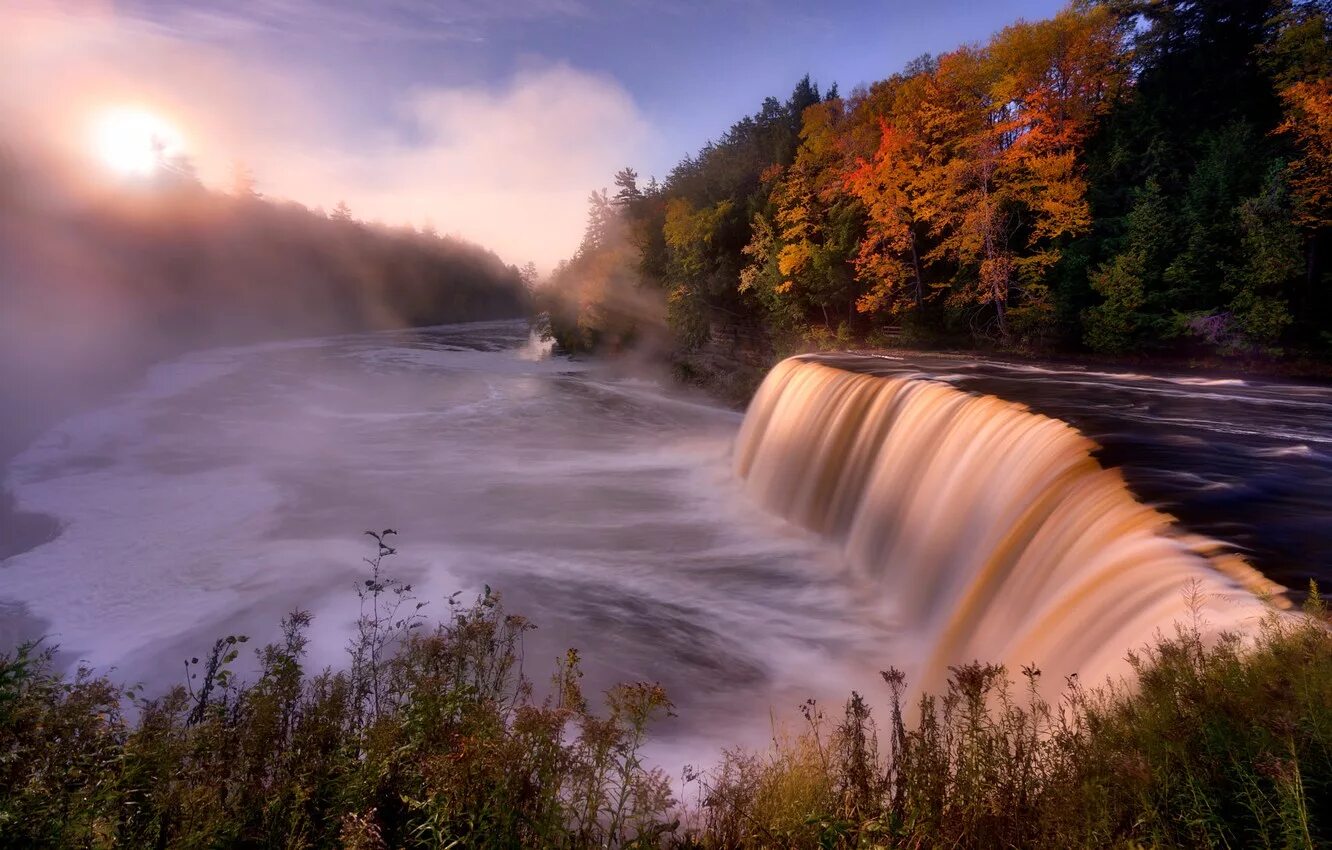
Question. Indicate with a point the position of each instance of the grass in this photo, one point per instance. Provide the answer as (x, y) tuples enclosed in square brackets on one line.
[(432, 738)]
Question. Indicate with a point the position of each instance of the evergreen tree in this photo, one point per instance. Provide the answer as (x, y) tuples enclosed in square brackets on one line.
[(627, 181), (1271, 263)]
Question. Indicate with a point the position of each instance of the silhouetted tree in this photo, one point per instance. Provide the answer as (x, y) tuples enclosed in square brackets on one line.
[(627, 181)]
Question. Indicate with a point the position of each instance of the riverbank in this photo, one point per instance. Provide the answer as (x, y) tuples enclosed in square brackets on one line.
[(731, 372), (432, 738)]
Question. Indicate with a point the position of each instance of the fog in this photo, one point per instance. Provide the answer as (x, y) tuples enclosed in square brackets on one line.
[(285, 213), (99, 280), (102, 275), (233, 485)]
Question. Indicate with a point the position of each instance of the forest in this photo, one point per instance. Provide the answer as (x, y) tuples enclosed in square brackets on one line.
[(1145, 178)]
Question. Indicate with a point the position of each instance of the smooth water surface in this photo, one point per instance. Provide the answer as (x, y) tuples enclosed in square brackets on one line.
[(235, 485)]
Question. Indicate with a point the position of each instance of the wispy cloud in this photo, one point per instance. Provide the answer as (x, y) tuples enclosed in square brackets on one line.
[(508, 166), (394, 20)]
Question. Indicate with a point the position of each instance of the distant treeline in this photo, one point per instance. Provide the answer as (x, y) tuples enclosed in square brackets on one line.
[(99, 280), (1130, 176)]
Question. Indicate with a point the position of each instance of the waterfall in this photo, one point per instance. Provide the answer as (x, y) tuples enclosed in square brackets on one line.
[(986, 530)]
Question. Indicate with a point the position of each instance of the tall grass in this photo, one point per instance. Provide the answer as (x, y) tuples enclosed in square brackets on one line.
[(1212, 744), (433, 737)]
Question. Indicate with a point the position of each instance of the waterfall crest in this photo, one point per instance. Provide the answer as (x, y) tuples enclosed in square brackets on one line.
[(989, 531)]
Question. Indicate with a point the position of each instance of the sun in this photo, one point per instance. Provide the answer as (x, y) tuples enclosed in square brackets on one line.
[(135, 142)]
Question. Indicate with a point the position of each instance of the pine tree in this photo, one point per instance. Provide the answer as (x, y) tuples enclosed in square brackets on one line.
[(627, 181), (600, 214)]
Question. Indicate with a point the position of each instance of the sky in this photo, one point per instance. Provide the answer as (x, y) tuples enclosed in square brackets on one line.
[(489, 120)]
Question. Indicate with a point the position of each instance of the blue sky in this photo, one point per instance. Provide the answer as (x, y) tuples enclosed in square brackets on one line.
[(691, 67), (489, 120)]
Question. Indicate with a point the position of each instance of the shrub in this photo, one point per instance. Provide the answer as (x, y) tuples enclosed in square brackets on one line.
[(433, 737), (1221, 745)]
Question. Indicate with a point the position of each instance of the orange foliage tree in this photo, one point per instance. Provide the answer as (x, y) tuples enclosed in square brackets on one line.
[(979, 159), (891, 186), (1309, 122)]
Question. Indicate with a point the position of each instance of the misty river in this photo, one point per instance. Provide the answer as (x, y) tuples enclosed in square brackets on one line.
[(233, 485)]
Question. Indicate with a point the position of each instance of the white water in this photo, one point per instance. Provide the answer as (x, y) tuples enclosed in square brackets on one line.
[(235, 485), (930, 526)]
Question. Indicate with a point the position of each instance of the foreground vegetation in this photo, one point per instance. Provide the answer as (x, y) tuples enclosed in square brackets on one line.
[(1130, 177), (434, 737), (1213, 746)]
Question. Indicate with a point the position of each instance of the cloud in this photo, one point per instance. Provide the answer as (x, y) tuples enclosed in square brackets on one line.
[(352, 20), (510, 167), (509, 164)]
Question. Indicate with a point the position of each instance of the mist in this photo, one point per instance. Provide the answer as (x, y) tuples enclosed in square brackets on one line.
[(600, 300), (100, 280), (102, 275)]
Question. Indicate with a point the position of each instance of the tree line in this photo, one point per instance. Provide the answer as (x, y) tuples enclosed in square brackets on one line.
[(1129, 176), (232, 265)]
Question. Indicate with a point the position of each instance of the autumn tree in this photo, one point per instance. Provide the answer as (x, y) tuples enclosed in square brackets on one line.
[(1308, 123), (1127, 175), (891, 187), (971, 202), (691, 237), (1055, 80), (762, 278), (818, 223)]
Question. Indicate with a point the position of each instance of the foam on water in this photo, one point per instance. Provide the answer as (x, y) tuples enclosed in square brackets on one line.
[(234, 486)]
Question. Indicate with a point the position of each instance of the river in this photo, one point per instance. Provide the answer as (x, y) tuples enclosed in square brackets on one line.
[(234, 485)]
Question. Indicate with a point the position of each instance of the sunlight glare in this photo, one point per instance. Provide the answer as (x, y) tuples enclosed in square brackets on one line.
[(134, 142)]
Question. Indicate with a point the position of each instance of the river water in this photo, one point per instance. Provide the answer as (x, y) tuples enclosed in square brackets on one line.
[(234, 485), (1247, 461)]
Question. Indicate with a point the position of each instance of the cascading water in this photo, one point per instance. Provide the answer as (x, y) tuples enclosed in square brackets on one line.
[(990, 531)]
